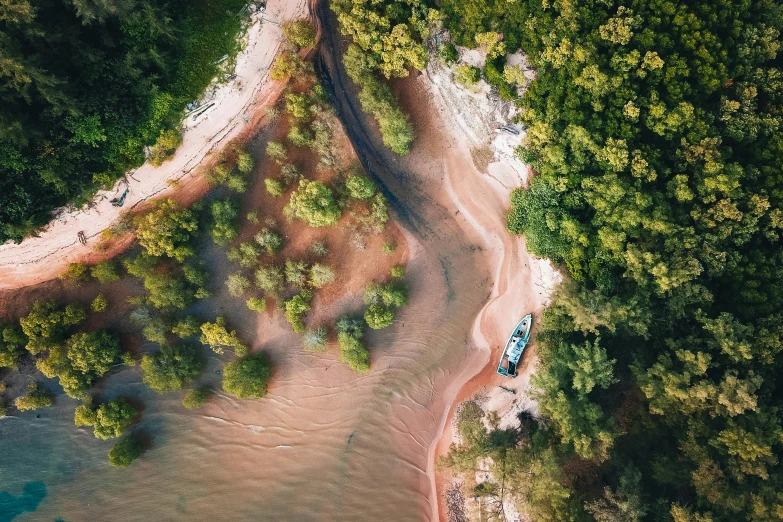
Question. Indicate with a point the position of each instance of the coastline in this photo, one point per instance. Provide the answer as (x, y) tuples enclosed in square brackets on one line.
[(237, 112)]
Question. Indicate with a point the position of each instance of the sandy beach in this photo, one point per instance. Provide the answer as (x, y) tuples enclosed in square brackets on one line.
[(236, 110)]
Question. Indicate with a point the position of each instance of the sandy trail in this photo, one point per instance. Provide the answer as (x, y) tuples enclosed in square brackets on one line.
[(236, 106)]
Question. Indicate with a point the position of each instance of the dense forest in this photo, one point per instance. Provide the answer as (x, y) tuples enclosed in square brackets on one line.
[(85, 85), (655, 130)]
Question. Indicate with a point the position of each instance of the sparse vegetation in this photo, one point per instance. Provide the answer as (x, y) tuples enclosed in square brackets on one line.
[(99, 304), (270, 241), (315, 339), (237, 284)]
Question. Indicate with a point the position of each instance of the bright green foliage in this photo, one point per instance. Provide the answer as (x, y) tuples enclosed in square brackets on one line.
[(244, 163), (164, 146), (389, 248), (296, 307), (352, 351), (123, 453), (89, 85), (314, 203), (388, 32), (167, 230), (491, 43), (128, 359), (224, 227), (105, 272), (172, 368), (269, 240), (99, 304), (300, 136), (82, 359), (377, 99), (299, 33), (270, 279), (321, 275), (274, 187), (237, 284), (315, 339), (252, 217), (46, 324), (216, 336), (378, 316), (276, 151), (196, 398), (187, 326), (247, 378), (287, 64), (257, 304), (109, 420), (297, 105), (360, 187), (12, 343), (296, 273), (397, 272), (75, 275), (466, 75), (34, 399)]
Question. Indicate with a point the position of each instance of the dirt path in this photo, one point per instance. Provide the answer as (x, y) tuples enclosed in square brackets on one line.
[(236, 108), (456, 216)]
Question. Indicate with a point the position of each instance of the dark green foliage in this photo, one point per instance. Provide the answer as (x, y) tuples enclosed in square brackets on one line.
[(172, 367), (12, 343), (196, 398), (88, 85), (247, 378), (655, 130), (448, 53), (352, 350), (105, 271), (125, 452)]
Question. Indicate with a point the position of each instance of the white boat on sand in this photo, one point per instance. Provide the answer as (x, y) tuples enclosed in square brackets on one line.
[(512, 353)]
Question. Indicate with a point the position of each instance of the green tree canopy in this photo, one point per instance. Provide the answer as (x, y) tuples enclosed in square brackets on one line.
[(173, 367), (247, 378)]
